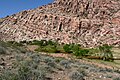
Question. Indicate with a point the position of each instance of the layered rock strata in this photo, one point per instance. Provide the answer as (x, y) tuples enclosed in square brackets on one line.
[(87, 22)]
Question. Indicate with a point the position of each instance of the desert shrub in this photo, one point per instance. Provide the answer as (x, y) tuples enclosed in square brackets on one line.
[(2, 50), (21, 49), (65, 63), (106, 52), (46, 68), (75, 75), (50, 49), (109, 76), (35, 57), (28, 63), (40, 49), (93, 51), (44, 42), (50, 62), (9, 75), (50, 65), (49, 42), (3, 44), (118, 78), (48, 46), (82, 71), (102, 70), (92, 69), (14, 43), (19, 58), (48, 59), (23, 72), (117, 71), (28, 73), (108, 70), (39, 43), (84, 66), (58, 59), (60, 49)]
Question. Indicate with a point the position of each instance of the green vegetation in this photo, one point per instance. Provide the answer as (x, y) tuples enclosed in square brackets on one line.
[(17, 64), (49, 46), (42, 42), (14, 43), (54, 47), (68, 48), (75, 49), (106, 52)]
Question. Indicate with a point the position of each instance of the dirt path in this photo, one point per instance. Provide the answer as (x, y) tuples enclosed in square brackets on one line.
[(68, 56)]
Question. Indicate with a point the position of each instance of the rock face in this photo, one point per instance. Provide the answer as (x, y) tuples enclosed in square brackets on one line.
[(88, 22)]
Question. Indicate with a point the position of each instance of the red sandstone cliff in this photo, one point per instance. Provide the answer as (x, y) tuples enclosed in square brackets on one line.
[(88, 22)]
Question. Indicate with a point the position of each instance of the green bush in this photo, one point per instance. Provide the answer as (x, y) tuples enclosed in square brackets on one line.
[(43, 42), (39, 43), (48, 48), (106, 52), (93, 51), (60, 49), (81, 52), (75, 49), (68, 48), (49, 42)]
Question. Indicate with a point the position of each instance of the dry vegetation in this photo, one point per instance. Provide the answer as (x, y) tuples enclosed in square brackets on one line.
[(17, 63)]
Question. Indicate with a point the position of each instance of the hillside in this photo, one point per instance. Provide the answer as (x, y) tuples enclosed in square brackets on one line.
[(18, 63), (88, 22)]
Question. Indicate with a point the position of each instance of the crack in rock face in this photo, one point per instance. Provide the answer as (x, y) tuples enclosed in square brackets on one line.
[(87, 22)]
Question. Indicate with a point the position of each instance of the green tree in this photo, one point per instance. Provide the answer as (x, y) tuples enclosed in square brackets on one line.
[(106, 52), (68, 48)]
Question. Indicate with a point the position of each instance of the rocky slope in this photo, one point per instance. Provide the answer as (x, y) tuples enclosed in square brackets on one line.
[(88, 22)]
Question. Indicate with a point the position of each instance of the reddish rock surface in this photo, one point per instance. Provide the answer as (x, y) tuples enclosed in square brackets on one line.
[(88, 22)]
